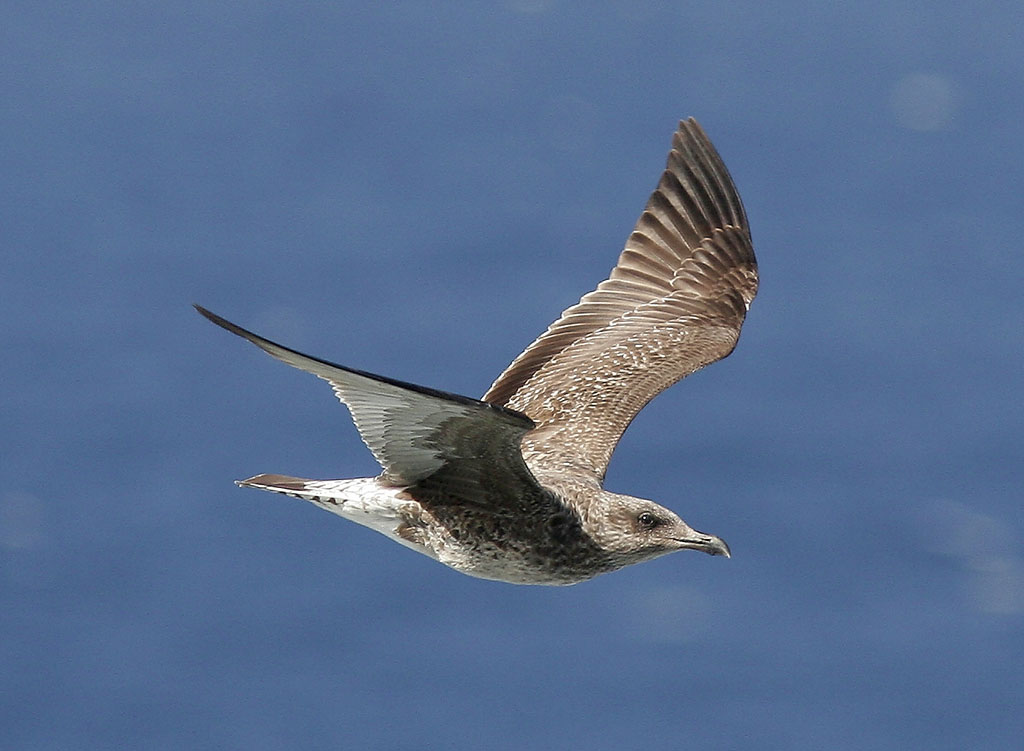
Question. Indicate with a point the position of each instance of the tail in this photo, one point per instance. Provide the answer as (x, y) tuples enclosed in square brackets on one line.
[(350, 498), (360, 499), (309, 490)]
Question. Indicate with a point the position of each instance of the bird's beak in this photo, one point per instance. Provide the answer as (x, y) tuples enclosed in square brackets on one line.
[(709, 544)]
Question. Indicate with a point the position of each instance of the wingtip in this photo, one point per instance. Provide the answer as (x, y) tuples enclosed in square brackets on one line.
[(690, 128), (208, 315), (225, 324)]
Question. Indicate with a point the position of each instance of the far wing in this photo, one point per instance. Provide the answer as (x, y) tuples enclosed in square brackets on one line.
[(414, 431)]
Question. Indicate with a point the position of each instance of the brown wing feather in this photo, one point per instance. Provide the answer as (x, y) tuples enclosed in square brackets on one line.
[(674, 303)]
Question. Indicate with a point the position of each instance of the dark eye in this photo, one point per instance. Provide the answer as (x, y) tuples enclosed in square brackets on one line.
[(647, 520)]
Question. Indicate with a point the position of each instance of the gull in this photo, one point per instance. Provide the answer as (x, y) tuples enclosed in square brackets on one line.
[(509, 487)]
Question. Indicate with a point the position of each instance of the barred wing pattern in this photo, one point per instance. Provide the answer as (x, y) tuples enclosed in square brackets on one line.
[(674, 303)]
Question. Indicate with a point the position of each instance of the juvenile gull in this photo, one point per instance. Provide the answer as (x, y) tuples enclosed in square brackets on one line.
[(509, 487)]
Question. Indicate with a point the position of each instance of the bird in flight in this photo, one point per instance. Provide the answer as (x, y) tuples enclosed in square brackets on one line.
[(509, 487)]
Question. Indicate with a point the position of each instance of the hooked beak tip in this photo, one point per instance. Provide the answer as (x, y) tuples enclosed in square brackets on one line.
[(710, 544)]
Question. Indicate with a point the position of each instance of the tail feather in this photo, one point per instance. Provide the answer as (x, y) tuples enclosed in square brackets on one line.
[(333, 495), (293, 486), (361, 499)]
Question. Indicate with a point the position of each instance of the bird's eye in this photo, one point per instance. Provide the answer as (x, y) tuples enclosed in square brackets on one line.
[(647, 520)]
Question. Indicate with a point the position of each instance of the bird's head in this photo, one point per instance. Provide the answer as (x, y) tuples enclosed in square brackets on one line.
[(639, 530)]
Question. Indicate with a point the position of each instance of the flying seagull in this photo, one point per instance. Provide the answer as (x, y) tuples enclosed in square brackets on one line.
[(509, 487)]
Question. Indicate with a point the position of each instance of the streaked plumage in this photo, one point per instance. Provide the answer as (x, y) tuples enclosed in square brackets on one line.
[(509, 487)]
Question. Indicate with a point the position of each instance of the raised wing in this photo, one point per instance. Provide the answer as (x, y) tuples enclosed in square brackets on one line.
[(415, 431), (674, 303)]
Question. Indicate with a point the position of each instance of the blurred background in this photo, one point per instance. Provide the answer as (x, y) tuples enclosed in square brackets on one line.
[(418, 189)]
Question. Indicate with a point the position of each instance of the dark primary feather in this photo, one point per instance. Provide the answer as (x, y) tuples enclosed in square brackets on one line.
[(674, 303), (414, 431)]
